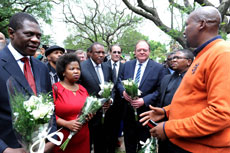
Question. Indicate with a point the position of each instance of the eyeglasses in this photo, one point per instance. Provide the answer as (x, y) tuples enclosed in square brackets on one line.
[(176, 58), (116, 52)]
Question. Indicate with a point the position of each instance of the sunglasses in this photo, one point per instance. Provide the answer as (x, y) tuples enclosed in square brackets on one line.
[(116, 52)]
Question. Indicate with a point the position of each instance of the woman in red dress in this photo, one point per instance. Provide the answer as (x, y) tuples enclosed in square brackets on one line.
[(69, 98)]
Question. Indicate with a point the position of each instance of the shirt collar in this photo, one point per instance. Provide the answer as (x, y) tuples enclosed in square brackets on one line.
[(94, 64), (115, 62), (143, 64), (205, 44), (15, 53)]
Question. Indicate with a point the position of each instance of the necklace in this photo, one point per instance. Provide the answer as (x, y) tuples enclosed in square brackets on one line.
[(72, 88)]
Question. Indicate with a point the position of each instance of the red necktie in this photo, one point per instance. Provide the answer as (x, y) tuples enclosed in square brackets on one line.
[(28, 74)]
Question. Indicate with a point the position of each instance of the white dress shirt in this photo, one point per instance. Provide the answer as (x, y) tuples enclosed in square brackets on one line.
[(144, 64), (99, 70)]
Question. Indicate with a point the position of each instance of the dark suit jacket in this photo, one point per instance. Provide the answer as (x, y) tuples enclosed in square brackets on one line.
[(90, 81), (119, 71), (164, 84), (163, 88), (150, 81), (89, 78), (9, 68)]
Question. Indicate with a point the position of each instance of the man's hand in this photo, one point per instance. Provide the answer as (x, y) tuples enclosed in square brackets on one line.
[(127, 97), (154, 114), (89, 117), (158, 131), (107, 105), (137, 102), (17, 150)]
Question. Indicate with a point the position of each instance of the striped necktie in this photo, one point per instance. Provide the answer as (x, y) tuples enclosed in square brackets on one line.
[(138, 75)]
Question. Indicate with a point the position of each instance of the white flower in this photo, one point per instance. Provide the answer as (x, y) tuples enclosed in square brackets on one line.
[(16, 113)]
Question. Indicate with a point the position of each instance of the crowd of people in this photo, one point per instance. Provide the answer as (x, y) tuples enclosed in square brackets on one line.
[(187, 97)]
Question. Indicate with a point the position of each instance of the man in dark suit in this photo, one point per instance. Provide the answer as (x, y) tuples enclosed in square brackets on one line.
[(94, 73), (148, 75), (25, 34), (115, 112), (180, 62)]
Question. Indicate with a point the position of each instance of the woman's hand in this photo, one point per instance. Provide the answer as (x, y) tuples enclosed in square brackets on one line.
[(155, 114), (73, 125)]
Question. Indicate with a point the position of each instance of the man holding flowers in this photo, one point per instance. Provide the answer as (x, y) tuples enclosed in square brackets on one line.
[(147, 74), (25, 35)]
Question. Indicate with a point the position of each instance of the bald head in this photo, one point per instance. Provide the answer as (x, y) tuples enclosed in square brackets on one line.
[(202, 25), (208, 14)]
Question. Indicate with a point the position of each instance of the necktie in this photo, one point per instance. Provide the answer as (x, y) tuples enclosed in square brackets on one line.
[(138, 75), (114, 72), (28, 74), (98, 74)]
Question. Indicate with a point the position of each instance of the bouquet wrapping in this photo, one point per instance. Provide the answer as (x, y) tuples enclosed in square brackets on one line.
[(150, 146), (131, 88), (32, 119), (105, 92), (91, 106)]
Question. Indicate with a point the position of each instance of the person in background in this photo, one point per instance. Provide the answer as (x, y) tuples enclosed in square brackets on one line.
[(169, 63), (199, 114), (31, 75), (115, 113), (147, 74), (81, 54), (94, 73), (88, 52), (180, 61), (69, 98), (2, 41), (53, 53)]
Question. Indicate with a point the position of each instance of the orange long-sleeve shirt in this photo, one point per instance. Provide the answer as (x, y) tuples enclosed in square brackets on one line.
[(199, 115)]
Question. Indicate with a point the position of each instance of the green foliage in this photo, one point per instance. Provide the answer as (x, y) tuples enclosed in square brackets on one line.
[(129, 39), (40, 9), (101, 21)]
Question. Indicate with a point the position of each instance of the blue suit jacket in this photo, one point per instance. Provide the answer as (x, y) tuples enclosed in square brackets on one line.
[(9, 68), (150, 81)]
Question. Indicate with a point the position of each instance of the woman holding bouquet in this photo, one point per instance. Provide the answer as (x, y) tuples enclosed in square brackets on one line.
[(69, 98)]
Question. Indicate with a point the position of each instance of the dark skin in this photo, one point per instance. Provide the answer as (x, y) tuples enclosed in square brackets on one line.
[(201, 25), (71, 76), (26, 41)]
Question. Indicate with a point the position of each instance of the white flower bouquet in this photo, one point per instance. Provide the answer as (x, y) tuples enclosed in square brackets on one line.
[(105, 92), (150, 146), (91, 106), (132, 90), (32, 118)]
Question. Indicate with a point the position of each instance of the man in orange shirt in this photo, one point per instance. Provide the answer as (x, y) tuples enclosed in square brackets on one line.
[(199, 115)]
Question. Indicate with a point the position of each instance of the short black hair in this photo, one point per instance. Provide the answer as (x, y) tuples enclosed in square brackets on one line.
[(94, 44), (188, 53), (16, 21), (63, 61)]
